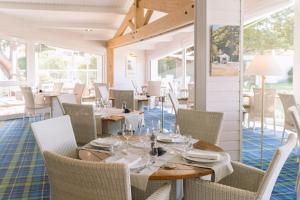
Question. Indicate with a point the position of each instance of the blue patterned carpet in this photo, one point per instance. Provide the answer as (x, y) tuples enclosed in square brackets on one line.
[(23, 176)]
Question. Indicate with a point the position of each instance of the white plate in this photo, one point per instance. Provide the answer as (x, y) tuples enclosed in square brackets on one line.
[(200, 160)]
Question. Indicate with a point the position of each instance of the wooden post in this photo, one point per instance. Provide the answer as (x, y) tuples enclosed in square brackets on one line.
[(110, 66)]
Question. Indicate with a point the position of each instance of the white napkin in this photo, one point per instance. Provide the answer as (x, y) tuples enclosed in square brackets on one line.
[(209, 155), (106, 142), (130, 161), (170, 139)]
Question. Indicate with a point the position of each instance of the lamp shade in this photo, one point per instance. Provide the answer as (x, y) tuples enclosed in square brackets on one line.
[(264, 65)]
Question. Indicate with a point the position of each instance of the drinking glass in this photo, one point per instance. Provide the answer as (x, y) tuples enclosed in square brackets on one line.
[(127, 134), (188, 143), (177, 131), (158, 126)]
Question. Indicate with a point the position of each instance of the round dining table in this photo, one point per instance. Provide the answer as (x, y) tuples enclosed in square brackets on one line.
[(178, 171)]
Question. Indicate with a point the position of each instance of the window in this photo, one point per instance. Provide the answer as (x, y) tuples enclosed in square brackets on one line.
[(56, 64), (12, 60), (176, 68)]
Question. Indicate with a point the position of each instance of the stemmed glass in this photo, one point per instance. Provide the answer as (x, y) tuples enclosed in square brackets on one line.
[(127, 133), (188, 143)]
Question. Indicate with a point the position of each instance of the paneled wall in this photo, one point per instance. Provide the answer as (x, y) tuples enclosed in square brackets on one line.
[(221, 94)]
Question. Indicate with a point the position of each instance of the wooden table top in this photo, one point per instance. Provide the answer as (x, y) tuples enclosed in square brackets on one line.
[(182, 171)]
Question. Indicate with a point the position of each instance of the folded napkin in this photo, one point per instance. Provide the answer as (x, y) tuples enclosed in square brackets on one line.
[(107, 142), (129, 161), (221, 169), (170, 139), (209, 155)]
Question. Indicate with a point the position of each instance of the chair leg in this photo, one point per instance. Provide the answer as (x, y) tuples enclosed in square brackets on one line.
[(274, 125), (282, 135)]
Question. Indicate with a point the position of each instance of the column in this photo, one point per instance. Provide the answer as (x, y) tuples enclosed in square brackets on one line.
[(201, 54), (31, 65)]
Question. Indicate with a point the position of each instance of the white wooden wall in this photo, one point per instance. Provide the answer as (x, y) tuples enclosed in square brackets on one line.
[(221, 94)]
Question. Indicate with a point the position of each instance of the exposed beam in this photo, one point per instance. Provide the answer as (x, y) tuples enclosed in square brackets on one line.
[(62, 7), (139, 14), (164, 5), (148, 16), (182, 17), (131, 25), (125, 22), (110, 66)]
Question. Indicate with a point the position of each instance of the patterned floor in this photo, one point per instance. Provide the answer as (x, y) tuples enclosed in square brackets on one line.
[(22, 173)]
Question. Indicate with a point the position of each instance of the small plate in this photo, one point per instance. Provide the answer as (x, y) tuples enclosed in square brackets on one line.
[(167, 139)]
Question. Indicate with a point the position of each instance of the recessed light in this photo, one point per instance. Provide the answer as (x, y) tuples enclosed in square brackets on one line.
[(88, 30)]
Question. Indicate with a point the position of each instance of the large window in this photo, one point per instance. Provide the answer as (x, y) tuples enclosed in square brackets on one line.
[(176, 68), (56, 64), (12, 60)]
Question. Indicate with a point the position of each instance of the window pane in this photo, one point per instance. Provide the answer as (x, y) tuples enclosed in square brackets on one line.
[(13, 64)]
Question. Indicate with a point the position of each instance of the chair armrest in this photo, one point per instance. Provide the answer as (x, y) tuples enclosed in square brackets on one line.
[(200, 189), (244, 177), (162, 193)]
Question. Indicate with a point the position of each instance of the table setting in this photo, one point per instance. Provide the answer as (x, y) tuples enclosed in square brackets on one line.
[(158, 157)]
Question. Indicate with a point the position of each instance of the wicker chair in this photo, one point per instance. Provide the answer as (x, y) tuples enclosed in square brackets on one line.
[(97, 91), (294, 112), (121, 96), (32, 108), (269, 106), (57, 87), (287, 100), (246, 183), (78, 91), (83, 122), (175, 102), (72, 179), (201, 125), (56, 135)]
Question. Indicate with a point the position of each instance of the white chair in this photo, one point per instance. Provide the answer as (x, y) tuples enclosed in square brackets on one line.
[(245, 183), (154, 88), (205, 126), (269, 106), (122, 96), (104, 92), (137, 88), (175, 102), (83, 122), (97, 92), (287, 100), (56, 135), (294, 113), (32, 109), (76, 179), (57, 87), (78, 91)]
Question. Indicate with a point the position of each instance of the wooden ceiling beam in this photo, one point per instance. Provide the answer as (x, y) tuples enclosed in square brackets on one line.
[(182, 17), (125, 22), (148, 16), (166, 6), (139, 14)]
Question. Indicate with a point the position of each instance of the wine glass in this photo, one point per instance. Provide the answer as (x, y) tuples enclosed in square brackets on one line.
[(177, 131), (188, 143), (127, 134), (158, 126), (154, 154)]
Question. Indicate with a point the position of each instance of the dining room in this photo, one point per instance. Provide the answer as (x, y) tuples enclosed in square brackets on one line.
[(149, 99)]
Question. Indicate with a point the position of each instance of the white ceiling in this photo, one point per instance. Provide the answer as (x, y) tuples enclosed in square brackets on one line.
[(101, 17)]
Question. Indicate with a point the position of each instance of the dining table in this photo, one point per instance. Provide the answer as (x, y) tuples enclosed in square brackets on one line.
[(171, 166)]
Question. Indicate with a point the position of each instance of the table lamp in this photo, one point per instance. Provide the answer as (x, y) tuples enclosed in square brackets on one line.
[(263, 65)]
